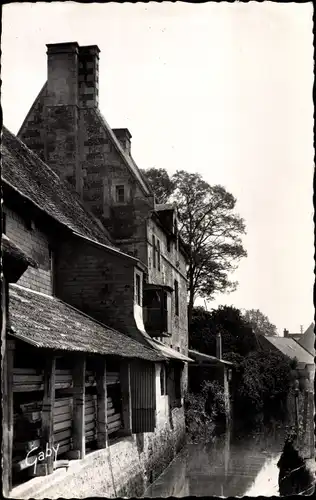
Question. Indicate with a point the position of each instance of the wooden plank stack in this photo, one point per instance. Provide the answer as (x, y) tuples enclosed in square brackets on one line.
[(114, 418), (27, 380), (90, 417), (63, 379), (112, 378), (63, 424), (27, 433), (90, 379)]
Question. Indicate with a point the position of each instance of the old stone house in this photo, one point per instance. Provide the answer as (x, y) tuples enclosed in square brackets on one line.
[(66, 129), (94, 336)]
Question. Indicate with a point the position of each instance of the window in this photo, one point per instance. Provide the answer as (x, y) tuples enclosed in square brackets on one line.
[(176, 297), (158, 254), (154, 250), (138, 289), (163, 380), (168, 245), (120, 194)]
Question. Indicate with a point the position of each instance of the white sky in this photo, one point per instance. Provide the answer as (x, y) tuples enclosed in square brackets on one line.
[(216, 88)]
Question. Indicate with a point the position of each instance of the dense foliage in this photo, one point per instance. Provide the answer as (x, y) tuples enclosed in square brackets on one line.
[(262, 383), (208, 225), (237, 334), (259, 322), (203, 411)]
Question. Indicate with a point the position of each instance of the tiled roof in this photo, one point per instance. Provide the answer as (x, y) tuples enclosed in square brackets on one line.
[(168, 352), (34, 180), (307, 340), (290, 348), (48, 322), (206, 358), (13, 250)]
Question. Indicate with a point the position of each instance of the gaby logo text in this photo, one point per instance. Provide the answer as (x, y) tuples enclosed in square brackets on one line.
[(41, 456)]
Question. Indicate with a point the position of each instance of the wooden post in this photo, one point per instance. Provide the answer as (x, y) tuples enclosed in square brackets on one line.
[(102, 418), (47, 466), (7, 405), (79, 441), (125, 380)]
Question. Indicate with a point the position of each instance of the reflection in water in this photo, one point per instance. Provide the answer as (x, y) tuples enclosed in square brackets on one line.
[(227, 467)]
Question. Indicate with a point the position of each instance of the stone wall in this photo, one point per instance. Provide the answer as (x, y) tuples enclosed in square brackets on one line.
[(99, 283), (35, 243), (173, 267)]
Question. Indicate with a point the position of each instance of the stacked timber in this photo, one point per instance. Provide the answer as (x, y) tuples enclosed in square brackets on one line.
[(90, 417), (27, 433), (63, 379), (113, 417), (90, 379), (27, 380), (112, 378), (63, 424)]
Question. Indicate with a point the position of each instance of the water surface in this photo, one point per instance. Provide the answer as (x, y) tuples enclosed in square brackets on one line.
[(231, 466)]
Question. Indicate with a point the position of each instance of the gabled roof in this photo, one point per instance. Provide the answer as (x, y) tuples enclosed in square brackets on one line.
[(48, 322), (307, 340), (130, 163), (288, 347), (27, 174)]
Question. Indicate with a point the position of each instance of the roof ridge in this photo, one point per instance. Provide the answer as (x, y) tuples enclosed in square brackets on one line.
[(128, 160)]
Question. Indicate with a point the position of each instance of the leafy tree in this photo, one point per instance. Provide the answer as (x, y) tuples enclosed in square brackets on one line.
[(260, 323), (237, 335), (160, 183), (263, 383), (210, 228)]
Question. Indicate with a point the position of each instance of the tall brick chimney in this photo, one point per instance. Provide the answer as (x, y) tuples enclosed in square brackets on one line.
[(62, 74), (72, 85), (89, 76), (124, 136), (286, 333), (61, 113)]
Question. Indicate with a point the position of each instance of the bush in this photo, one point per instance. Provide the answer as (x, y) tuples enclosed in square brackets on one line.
[(203, 411), (262, 384)]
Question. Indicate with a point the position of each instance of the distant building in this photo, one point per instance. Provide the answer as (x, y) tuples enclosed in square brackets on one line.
[(292, 349), (307, 340)]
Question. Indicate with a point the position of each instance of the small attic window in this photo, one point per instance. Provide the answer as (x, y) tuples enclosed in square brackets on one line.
[(120, 193)]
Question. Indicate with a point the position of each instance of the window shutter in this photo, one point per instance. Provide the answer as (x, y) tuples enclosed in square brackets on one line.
[(143, 389)]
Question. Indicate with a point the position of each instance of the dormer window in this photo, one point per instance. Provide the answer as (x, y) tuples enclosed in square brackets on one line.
[(120, 193), (138, 289)]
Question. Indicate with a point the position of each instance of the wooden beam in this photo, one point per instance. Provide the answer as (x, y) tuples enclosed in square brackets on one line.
[(79, 371), (8, 421), (102, 423), (125, 379), (48, 415)]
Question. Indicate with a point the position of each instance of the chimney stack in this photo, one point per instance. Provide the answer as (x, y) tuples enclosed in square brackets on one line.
[(218, 345), (286, 332), (62, 74), (88, 76), (124, 136)]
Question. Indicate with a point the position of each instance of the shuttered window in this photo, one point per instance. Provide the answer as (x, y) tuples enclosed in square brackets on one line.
[(176, 297), (158, 255), (154, 250), (143, 392)]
